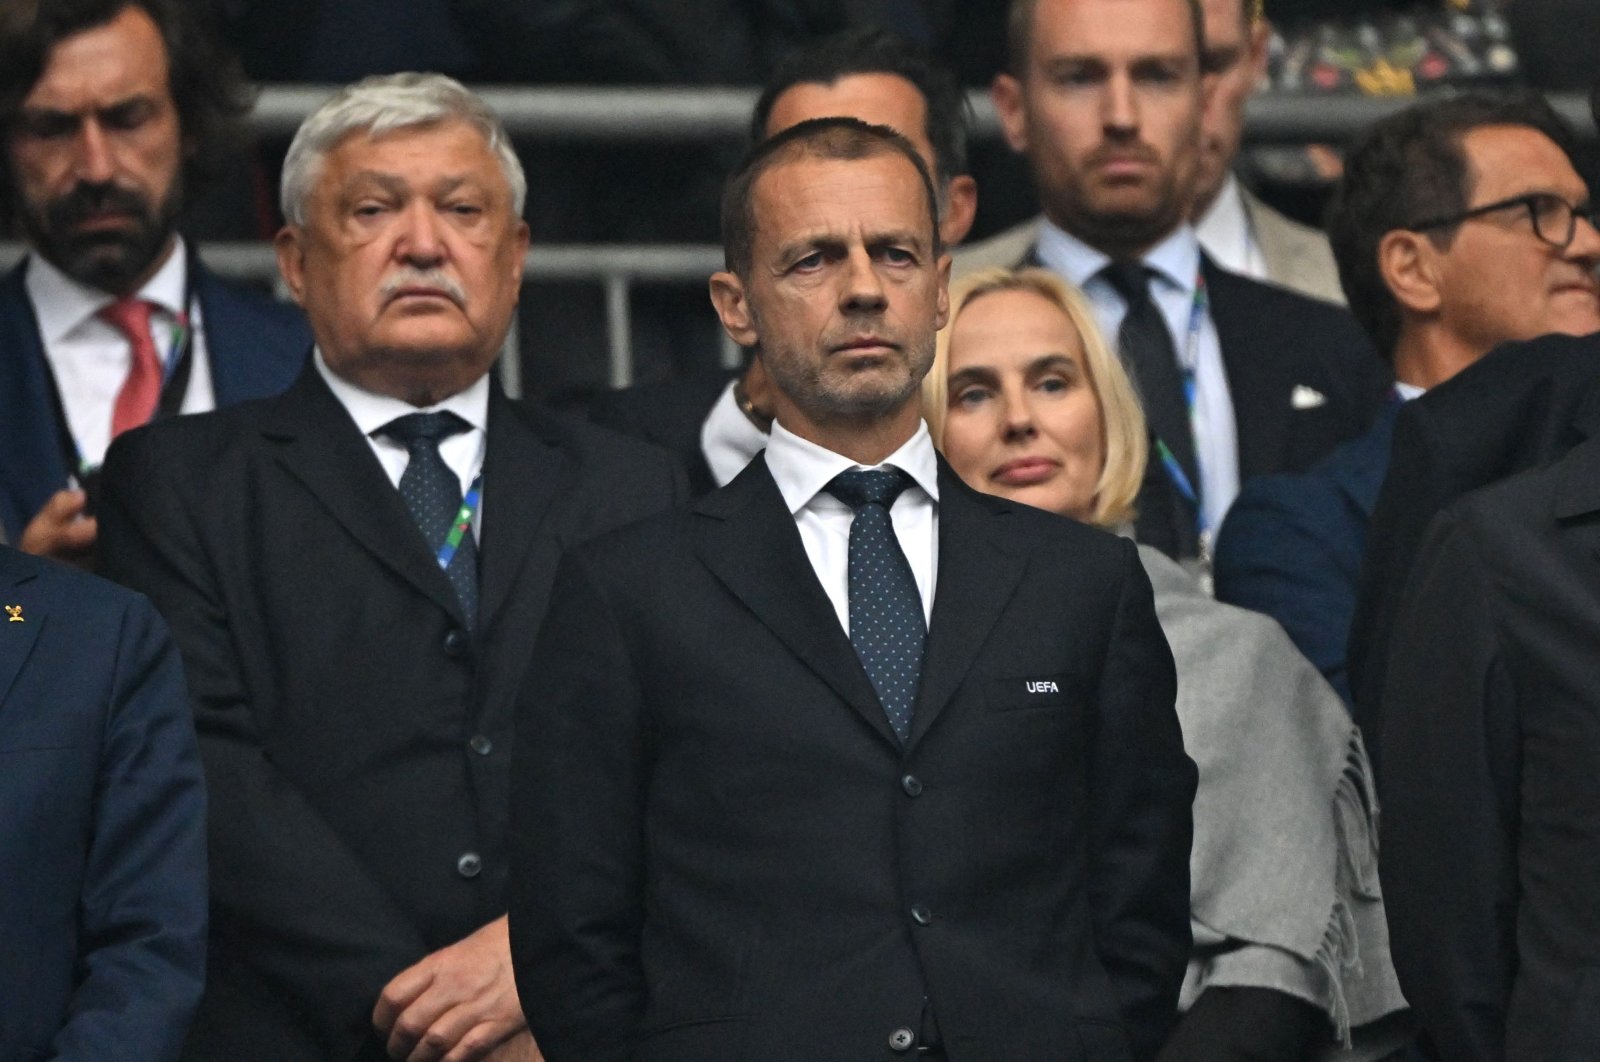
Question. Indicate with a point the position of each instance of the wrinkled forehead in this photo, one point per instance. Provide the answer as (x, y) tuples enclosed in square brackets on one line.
[(805, 196)]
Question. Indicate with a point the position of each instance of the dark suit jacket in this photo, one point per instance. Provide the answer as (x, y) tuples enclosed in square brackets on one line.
[(670, 415), (1275, 344), (1522, 406), (256, 346), (356, 737), (1491, 799), (721, 851), (1292, 545), (102, 823)]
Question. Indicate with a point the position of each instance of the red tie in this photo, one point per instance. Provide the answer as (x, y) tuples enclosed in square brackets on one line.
[(141, 391)]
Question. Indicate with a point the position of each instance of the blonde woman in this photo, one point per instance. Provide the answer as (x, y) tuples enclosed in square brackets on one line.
[(1027, 401)]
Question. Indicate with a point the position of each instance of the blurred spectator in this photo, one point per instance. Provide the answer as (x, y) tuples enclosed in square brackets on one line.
[(1437, 282), (112, 111), (1238, 230), (1239, 378)]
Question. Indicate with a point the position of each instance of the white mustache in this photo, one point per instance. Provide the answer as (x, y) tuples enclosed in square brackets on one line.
[(423, 278)]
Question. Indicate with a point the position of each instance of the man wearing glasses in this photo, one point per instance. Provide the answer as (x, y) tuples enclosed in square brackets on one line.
[(1460, 224)]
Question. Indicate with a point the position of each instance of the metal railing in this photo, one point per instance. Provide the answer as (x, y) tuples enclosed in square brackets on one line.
[(668, 115)]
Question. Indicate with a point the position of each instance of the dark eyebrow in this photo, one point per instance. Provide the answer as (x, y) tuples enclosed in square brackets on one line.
[(1216, 60)]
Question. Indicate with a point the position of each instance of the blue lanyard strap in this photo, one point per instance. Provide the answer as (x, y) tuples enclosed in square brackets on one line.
[(462, 526), (1191, 351)]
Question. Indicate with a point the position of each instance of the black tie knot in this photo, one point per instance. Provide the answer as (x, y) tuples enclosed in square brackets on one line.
[(869, 486), (1131, 279), (415, 429)]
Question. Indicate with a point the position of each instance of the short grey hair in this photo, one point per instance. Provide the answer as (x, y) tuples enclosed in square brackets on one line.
[(382, 104)]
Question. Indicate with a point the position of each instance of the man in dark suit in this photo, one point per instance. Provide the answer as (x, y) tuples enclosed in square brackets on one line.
[(1491, 730), (102, 823), (1437, 280), (1238, 377), (355, 571), (110, 109), (717, 421), (849, 761)]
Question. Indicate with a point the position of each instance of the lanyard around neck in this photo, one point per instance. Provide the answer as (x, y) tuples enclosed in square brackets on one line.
[(1191, 355)]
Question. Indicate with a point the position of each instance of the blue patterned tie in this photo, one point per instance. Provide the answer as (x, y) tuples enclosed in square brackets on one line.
[(433, 494), (887, 626)]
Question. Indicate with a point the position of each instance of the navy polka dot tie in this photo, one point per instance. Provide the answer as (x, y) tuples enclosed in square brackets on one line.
[(433, 494), (887, 626)]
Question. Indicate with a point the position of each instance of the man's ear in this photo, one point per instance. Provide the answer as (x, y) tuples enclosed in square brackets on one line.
[(522, 239), (942, 307), (1006, 92), (728, 296), (1408, 262), (292, 260), (1260, 48), (960, 207)]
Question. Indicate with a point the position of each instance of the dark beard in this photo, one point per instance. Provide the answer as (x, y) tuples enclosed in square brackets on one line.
[(114, 260)]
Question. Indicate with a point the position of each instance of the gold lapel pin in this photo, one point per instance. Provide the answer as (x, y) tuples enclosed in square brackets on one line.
[(15, 612)]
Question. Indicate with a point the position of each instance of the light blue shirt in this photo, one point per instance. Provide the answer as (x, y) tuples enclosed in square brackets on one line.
[(1176, 265)]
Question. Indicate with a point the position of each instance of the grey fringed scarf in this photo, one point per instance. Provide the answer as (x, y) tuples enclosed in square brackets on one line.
[(1285, 820)]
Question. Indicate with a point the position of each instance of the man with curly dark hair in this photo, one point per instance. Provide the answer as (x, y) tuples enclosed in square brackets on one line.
[(110, 110)]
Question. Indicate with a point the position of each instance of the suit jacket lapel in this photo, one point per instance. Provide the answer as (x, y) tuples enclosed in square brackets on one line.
[(745, 535), (522, 476), (321, 447), (31, 467), (977, 577), (1254, 376), (16, 639)]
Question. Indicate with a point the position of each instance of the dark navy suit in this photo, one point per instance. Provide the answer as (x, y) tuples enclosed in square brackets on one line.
[(256, 347), (1292, 545), (102, 823)]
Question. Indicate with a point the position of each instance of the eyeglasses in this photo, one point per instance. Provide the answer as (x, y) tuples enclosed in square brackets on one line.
[(1555, 221)]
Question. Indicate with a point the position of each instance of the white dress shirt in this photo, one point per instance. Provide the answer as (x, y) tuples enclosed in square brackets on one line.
[(89, 358), (1176, 262), (462, 452), (1227, 235), (802, 469), (728, 439)]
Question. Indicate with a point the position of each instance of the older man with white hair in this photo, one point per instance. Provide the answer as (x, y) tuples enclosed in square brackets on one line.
[(355, 571)]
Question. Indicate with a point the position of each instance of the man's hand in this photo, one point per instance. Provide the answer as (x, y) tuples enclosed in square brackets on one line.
[(458, 1004), (61, 530)]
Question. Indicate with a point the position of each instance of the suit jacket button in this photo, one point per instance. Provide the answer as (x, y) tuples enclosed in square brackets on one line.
[(921, 915), (455, 643), (480, 744), (470, 865), (912, 785), (902, 1039)]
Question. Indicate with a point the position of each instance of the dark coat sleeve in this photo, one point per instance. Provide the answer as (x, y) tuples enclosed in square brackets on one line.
[(143, 901), (1291, 548), (1142, 785), (576, 896), (1449, 791), (282, 874)]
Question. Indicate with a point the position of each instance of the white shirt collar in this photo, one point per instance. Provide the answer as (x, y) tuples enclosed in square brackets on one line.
[(1408, 391), (1224, 231), (802, 469), (1176, 259), (63, 304), (372, 411)]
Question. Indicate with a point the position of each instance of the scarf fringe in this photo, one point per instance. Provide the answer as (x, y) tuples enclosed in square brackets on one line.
[(1355, 810)]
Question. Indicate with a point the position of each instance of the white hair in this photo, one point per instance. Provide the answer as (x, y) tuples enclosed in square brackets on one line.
[(378, 105)]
